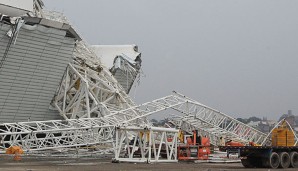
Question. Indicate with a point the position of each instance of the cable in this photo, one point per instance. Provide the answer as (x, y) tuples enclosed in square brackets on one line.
[(14, 28), (14, 34)]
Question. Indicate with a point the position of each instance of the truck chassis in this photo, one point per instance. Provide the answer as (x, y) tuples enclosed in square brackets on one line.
[(265, 156)]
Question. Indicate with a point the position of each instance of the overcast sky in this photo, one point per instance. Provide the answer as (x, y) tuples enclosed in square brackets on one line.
[(238, 56)]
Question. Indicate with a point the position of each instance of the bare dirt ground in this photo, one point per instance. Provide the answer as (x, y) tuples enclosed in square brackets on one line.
[(104, 164)]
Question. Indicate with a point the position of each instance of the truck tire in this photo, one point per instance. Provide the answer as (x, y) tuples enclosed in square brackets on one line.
[(247, 163), (273, 160), (284, 160), (294, 159)]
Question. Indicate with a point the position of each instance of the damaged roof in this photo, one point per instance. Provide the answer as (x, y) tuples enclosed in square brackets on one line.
[(54, 24)]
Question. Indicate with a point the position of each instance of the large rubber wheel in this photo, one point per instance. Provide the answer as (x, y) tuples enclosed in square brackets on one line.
[(284, 160), (294, 159), (247, 163), (273, 160)]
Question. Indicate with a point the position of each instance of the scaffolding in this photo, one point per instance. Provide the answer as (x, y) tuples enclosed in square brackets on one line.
[(149, 144)]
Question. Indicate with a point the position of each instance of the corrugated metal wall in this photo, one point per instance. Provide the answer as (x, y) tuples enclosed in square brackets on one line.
[(32, 72), (125, 78)]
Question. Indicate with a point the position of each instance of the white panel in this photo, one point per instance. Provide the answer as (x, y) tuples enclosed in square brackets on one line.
[(15, 8), (31, 74), (107, 53)]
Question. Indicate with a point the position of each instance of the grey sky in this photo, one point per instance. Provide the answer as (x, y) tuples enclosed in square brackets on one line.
[(238, 56)]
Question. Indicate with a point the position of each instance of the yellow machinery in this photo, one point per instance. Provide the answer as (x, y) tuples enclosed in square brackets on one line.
[(282, 153), (283, 135)]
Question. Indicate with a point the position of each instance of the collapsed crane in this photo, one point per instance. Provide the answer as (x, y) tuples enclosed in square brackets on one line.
[(72, 132), (215, 124), (32, 71), (91, 100), (40, 135)]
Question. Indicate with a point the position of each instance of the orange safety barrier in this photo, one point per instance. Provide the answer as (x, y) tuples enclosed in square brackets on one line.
[(16, 150)]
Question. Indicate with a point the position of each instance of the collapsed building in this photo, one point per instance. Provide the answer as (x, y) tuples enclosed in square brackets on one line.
[(48, 73), (57, 91), (124, 62), (34, 60)]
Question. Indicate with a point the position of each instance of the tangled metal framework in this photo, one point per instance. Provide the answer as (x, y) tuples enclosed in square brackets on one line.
[(203, 129), (93, 103), (77, 132), (87, 95), (40, 135), (215, 123), (43, 135), (88, 90)]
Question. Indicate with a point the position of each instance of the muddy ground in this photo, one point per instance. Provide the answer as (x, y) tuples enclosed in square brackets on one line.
[(104, 164)]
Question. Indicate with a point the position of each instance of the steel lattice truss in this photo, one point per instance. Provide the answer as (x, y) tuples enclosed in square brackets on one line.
[(40, 135), (83, 131), (203, 128), (219, 124), (43, 135), (88, 90), (148, 144)]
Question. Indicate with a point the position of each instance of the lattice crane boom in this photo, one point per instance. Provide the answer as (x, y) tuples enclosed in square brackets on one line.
[(219, 122), (83, 131), (40, 135)]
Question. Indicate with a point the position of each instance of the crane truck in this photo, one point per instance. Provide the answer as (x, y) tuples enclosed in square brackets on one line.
[(281, 153)]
